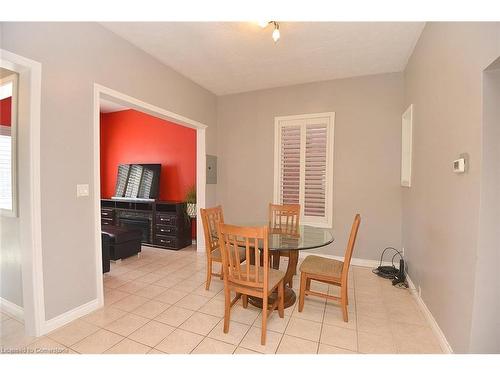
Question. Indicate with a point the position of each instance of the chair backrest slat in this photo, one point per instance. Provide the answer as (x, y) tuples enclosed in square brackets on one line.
[(257, 259), (211, 217), (232, 238), (230, 257), (284, 218)]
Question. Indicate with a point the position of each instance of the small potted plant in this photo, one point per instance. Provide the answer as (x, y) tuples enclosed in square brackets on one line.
[(191, 201)]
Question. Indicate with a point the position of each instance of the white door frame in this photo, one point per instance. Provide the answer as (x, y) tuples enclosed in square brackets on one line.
[(129, 101), (30, 80)]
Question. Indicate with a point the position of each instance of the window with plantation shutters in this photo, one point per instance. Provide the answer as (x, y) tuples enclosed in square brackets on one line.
[(303, 165)]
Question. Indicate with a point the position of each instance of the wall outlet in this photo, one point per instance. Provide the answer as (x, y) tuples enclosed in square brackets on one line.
[(82, 190)]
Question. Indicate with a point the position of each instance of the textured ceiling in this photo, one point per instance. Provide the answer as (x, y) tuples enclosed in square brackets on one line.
[(231, 57)]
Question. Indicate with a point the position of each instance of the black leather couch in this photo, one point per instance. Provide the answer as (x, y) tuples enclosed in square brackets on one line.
[(123, 242)]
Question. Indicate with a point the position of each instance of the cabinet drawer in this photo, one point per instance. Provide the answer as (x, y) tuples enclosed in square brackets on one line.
[(166, 220), (166, 241), (107, 214), (107, 221), (166, 230)]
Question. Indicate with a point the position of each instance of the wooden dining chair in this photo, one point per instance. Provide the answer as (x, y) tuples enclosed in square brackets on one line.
[(249, 279), (283, 218), (329, 271), (211, 217)]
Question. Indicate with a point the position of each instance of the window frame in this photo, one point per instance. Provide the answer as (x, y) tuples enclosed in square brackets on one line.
[(13, 212), (302, 120)]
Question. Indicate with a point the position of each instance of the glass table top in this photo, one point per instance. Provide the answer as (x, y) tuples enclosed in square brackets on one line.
[(307, 238)]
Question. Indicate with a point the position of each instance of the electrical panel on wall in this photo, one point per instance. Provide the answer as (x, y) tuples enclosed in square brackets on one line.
[(211, 169)]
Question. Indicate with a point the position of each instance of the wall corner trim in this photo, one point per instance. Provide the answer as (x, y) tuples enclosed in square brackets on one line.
[(12, 309), (443, 342), (200, 248), (69, 316)]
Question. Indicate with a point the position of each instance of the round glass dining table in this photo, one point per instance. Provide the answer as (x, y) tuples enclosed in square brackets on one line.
[(307, 238)]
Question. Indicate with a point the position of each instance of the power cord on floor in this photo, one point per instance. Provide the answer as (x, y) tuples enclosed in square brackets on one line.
[(391, 272)]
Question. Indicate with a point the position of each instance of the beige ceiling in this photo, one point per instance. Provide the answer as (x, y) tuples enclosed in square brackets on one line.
[(231, 57)]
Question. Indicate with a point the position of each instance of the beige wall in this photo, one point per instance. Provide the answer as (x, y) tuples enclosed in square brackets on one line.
[(485, 330), (73, 57), (441, 209), (366, 156)]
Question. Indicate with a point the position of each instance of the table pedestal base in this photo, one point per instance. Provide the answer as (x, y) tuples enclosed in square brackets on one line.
[(290, 298)]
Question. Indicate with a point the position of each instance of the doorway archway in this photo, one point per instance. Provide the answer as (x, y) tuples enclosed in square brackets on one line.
[(102, 92)]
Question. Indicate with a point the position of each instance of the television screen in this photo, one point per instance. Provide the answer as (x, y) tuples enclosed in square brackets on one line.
[(137, 181)]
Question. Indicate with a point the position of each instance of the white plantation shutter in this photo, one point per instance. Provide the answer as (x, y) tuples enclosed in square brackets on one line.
[(315, 170), (303, 165), (290, 165)]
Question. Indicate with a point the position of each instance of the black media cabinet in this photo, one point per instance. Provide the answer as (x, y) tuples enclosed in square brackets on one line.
[(164, 224)]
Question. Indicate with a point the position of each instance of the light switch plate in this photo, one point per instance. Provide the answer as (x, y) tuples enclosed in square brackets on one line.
[(82, 190), (459, 165)]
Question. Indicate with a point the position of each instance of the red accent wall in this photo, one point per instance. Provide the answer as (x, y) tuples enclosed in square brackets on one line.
[(5, 111), (131, 136)]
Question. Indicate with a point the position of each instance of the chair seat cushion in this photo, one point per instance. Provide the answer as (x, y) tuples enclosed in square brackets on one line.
[(217, 257), (275, 276), (317, 265)]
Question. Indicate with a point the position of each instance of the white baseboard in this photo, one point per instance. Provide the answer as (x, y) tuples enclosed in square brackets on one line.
[(443, 342), (12, 309), (70, 315)]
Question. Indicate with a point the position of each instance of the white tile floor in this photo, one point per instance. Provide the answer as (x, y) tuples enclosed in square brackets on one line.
[(157, 303)]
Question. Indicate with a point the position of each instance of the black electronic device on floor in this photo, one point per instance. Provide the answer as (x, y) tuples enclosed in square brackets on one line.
[(397, 275), (400, 277)]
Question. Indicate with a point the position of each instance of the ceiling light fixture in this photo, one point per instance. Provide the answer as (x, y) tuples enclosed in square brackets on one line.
[(276, 32)]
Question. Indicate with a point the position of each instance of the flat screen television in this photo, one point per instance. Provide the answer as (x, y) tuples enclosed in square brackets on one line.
[(137, 182)]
